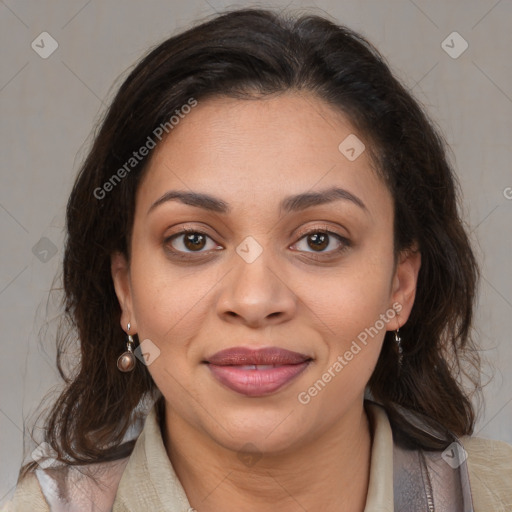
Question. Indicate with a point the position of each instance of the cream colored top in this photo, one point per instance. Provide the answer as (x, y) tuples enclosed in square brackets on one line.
[(148, 480)]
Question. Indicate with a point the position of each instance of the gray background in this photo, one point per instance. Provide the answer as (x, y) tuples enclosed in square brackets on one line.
[(50, 106)]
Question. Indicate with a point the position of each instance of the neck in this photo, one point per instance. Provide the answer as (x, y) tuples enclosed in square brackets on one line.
[(327, 473)]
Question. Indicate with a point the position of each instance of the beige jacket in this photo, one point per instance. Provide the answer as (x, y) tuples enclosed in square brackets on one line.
[(146, 479)]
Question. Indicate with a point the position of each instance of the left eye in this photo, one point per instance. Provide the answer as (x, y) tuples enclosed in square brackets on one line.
[(319, 241)]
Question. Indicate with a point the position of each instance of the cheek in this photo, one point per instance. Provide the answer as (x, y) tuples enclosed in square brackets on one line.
[(349, 315), (351, 311), (166, 297), (350, 298), (169, 307)]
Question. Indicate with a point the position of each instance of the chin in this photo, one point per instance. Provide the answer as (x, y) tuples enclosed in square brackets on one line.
[(270, 432)]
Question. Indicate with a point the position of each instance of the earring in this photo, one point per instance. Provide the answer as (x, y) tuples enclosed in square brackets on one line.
[(126, 361), (398, 341)]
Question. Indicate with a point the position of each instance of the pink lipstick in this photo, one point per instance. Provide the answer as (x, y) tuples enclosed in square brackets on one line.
[(256, 372)]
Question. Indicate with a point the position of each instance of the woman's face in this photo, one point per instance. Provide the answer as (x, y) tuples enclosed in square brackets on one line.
[(292, 249)]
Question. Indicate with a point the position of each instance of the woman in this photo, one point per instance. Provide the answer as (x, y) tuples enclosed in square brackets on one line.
[(265, 257)]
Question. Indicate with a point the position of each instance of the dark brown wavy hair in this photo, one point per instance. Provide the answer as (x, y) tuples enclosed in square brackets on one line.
[(252, 53)]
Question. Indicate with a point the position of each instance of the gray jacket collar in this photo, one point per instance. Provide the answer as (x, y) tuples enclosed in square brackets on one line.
[(403, 478)]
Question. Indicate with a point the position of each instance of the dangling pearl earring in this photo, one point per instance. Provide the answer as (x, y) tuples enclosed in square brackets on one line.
[(126, 361), (398, 341)]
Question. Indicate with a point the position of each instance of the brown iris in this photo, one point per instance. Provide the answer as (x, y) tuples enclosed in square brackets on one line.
[(319, 240), (194, 241)]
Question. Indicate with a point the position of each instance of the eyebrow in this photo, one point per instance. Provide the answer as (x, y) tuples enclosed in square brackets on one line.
[(288, 204)]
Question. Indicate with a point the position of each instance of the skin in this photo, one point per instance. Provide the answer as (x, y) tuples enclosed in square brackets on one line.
[(252, 154)]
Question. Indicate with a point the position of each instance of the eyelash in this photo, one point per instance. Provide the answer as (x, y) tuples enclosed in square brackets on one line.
[(318, 256)]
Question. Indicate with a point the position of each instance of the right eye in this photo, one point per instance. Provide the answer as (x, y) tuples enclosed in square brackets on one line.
[(190, 241)]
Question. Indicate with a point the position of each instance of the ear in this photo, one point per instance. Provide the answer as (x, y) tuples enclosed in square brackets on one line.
[(404, 285), (120, 270)]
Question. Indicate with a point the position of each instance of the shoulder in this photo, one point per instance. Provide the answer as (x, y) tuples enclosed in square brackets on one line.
[(68, 487), (28, 496), (490, 473)]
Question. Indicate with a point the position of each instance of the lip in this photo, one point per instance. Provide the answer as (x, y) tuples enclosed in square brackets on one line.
[(236, 369), (237, 356)]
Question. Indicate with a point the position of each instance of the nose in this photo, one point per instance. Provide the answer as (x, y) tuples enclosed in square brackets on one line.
[(255, 294)]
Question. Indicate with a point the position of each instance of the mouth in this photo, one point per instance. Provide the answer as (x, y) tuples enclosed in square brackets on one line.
[(256, 372), (240, 356)]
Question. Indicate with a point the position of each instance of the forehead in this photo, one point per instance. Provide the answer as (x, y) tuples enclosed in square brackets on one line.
[(255, 151)]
